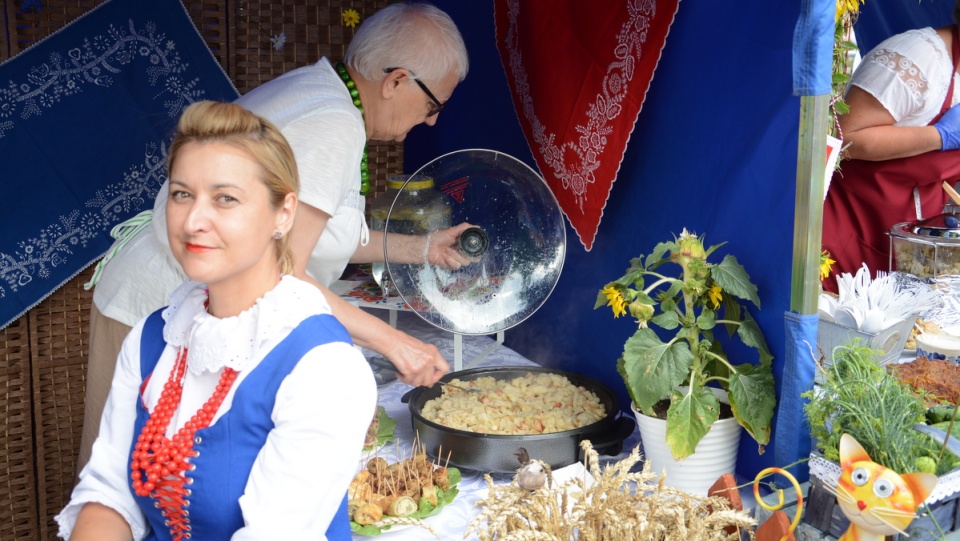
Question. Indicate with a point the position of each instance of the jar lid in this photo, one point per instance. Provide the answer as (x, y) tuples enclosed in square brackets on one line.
[(421, 182), (516, 244), (943, 226)]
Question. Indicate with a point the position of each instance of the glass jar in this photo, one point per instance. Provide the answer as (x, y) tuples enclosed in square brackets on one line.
[(414, 207), (929, 248)]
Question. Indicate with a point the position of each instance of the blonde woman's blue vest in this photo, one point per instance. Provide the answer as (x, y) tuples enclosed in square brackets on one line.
[(230, 446)]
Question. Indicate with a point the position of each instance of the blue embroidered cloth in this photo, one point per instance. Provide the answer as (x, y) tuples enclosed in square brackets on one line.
[(86, 117)]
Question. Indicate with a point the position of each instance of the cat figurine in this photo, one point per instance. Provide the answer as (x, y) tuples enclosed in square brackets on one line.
[(877, 500)]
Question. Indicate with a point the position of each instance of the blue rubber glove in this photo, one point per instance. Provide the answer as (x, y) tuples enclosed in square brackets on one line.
[(949, 128)]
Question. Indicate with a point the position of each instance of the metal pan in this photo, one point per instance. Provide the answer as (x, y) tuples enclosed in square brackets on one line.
[(498, 452)]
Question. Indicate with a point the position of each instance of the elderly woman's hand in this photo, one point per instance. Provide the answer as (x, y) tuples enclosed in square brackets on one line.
[(417, 363), (442, 248)]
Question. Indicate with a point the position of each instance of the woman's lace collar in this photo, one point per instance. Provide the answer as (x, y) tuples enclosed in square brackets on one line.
[(236, 341)]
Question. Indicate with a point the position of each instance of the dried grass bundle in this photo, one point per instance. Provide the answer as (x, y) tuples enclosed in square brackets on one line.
[(619, 505)]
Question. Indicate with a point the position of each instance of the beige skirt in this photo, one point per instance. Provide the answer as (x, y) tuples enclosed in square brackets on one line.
[(106, 339)]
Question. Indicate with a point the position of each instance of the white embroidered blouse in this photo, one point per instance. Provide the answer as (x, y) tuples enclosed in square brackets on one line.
[(909, 73)]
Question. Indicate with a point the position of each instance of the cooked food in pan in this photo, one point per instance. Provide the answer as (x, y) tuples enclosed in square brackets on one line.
[(532, 404)]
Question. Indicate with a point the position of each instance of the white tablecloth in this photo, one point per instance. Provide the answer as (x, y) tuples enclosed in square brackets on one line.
[(454, 519)]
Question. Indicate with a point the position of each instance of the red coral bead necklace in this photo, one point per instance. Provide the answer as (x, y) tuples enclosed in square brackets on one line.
[(159, 464)]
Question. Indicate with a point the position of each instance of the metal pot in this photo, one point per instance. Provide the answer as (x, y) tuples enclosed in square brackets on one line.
[(498, 452)]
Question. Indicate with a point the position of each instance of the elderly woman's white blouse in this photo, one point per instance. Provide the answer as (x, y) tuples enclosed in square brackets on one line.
[(322, 412), (909, 74), (315, 112)]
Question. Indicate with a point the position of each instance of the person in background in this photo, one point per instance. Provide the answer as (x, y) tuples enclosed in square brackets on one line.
[(399, 71), (238, 411), (900, 141)]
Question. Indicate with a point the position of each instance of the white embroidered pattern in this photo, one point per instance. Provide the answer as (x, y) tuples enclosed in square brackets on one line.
[(906, 70), (913, 78), (52, 245), (574, 163), (94, 63)]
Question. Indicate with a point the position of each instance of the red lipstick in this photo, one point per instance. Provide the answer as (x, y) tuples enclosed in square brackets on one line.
[(197, 249)]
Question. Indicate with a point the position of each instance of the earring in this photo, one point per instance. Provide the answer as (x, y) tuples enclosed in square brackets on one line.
[(277, 235)]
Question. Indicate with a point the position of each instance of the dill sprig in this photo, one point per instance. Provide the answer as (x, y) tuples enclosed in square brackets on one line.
[(858, 397)]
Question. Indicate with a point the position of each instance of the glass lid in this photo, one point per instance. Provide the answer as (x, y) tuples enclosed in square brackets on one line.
[(518, 243), (944, 226)]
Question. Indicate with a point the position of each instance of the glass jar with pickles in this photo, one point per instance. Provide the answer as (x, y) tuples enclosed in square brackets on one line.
[(420, 211)]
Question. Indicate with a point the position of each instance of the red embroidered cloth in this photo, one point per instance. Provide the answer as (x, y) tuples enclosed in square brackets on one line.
[(579, 72)]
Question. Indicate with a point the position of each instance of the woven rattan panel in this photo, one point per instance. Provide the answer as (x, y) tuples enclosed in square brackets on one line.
[(58, 353), (210, 17), (18, 490), (8, 13), (313, 29), (39, 20)]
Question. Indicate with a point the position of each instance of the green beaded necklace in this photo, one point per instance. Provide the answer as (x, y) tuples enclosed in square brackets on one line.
[(355, 95)]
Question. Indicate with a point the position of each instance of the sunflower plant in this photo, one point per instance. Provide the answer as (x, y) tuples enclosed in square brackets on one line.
[(844, 52), (693, 301)]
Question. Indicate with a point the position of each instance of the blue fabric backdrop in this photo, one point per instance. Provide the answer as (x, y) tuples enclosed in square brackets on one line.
[(85, 117), (714, 150), (881, 19)]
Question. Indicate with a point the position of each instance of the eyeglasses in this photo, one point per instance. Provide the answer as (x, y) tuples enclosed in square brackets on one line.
[(436, 106)]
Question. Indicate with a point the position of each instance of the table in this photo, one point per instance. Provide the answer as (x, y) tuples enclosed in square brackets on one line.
[(358, 287), (454, 519)]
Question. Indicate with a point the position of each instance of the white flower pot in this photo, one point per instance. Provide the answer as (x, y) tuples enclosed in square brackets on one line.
[(716, 454)]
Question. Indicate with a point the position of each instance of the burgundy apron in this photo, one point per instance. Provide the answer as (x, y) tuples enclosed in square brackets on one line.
[(867, 198)]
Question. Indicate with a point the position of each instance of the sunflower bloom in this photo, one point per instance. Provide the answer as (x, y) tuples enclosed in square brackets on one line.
[(351, 18), (826, 265), (615, 301), (715, 296), (847, 6)]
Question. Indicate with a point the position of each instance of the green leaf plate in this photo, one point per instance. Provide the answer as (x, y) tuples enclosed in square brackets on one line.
[(426, 509)]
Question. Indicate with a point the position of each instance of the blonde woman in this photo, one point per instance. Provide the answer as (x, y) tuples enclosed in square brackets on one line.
[(239, 410)]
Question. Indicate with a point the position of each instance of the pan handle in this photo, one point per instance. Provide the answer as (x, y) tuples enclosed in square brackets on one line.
[(407, 396), (610, 442), (382, 363)]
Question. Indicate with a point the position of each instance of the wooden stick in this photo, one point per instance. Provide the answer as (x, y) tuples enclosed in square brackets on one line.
[(951, 192), (953, 419)]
